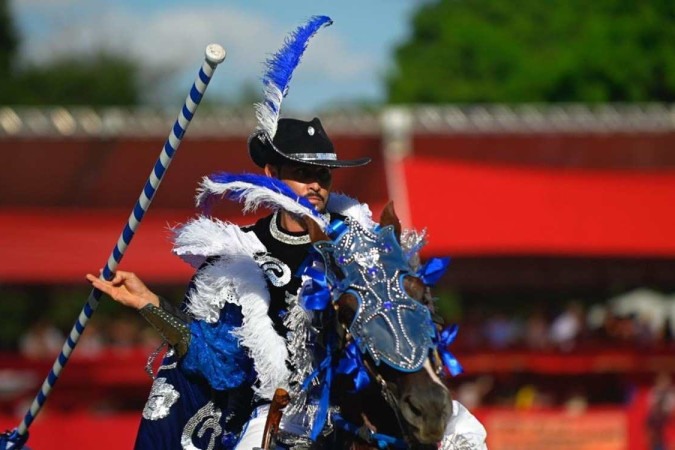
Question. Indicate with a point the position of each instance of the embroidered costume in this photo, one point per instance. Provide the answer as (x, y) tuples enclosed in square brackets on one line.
[(247, 329)]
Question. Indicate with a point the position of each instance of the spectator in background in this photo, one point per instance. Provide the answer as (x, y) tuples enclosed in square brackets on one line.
[(91, 343), (472, 393), (568, 327), (501, 331), (536, 331), (123, 333), (41, 341), (661, 404)]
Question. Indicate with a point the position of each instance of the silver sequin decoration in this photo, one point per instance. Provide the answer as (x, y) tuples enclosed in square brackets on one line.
[(288, 238), (457, 442), (169, 354), (390, 325), (153, 356), (162, 397), (209, 417), (151, 360), (275, 270), (412, 242), (300, 335)]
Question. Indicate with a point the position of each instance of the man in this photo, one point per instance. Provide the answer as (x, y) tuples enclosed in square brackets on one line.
[(241, 331), (203, 393)]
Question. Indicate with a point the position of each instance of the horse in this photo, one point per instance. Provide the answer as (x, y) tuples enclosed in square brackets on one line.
[(382, 320)]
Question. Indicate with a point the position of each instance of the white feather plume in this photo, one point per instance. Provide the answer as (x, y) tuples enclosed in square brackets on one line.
[(203, 237), (350, 207), (254, 196)]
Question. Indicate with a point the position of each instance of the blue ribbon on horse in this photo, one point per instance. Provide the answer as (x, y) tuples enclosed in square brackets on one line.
[(315, 293), (383, 441), (322, 411), (443, 341), (335, 229), (433, 270), (351, 364)]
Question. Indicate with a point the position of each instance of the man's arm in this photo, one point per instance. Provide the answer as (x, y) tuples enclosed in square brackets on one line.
[(127, 289)]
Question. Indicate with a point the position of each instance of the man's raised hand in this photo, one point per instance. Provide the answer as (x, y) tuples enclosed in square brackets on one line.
[(125, 288)]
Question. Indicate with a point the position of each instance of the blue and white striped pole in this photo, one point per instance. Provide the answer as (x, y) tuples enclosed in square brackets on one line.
[(215, 54)]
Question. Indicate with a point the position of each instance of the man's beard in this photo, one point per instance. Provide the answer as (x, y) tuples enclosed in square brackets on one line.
[(324, 201)]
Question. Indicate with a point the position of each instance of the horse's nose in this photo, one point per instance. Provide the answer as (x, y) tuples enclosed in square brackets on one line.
[(428, 412)]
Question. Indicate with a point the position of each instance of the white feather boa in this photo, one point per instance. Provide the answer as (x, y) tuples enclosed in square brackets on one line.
[(234, 278), (255, 196), (203, 237)]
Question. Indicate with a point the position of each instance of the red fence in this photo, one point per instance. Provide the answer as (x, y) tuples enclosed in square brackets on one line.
[(97, 402), (602, 429)]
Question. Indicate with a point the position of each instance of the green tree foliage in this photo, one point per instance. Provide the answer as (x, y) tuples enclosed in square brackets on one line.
[(8, 40), (96, 80), (537, 51), (100, 80)]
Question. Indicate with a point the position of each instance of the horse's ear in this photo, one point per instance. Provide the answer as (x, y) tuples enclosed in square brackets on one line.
[(316, 234), (389, 217)]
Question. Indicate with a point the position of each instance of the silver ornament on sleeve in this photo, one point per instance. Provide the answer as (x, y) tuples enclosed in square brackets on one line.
[(162, 397)]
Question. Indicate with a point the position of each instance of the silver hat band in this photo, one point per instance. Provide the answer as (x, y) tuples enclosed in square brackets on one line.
[(313, 156)]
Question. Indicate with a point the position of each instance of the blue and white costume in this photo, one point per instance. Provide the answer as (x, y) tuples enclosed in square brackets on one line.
[(247, 330), (248, 334)]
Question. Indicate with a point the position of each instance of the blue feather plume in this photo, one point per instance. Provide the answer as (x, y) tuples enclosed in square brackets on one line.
[(280, 67), (254, 191)]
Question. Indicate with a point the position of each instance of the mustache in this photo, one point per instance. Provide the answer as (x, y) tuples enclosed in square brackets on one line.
[(315, 194)]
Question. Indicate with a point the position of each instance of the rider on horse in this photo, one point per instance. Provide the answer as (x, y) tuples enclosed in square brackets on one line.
[(241, 331)]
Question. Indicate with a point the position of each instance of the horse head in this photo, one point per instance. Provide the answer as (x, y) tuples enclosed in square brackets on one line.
[(380, 311)]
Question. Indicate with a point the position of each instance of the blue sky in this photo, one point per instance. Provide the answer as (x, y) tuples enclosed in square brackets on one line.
[(344, 62)]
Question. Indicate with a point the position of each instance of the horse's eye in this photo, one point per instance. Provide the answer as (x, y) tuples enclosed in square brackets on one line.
[(414, 287), (412, 407)]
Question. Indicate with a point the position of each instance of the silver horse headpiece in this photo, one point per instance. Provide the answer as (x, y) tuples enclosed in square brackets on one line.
[(389, 324)]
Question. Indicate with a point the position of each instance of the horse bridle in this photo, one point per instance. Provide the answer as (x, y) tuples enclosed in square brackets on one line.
[(387, 389), (390, 398)]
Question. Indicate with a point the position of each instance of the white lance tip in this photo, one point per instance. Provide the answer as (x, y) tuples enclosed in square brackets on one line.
[(215, 53)]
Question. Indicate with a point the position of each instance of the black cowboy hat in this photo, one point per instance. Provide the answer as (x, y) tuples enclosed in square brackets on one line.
[(297, 141)]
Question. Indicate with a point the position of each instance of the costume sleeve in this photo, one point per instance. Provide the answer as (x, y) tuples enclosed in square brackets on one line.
[(173, 310), (463, 431)]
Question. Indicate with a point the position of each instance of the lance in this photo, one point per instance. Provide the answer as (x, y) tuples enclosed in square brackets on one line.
[(215, 54)]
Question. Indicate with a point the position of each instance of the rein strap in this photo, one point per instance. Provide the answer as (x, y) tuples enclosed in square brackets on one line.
[(381, 440)]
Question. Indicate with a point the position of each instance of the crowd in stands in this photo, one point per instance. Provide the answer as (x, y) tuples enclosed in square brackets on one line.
[(640, 319), (43, 340)]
